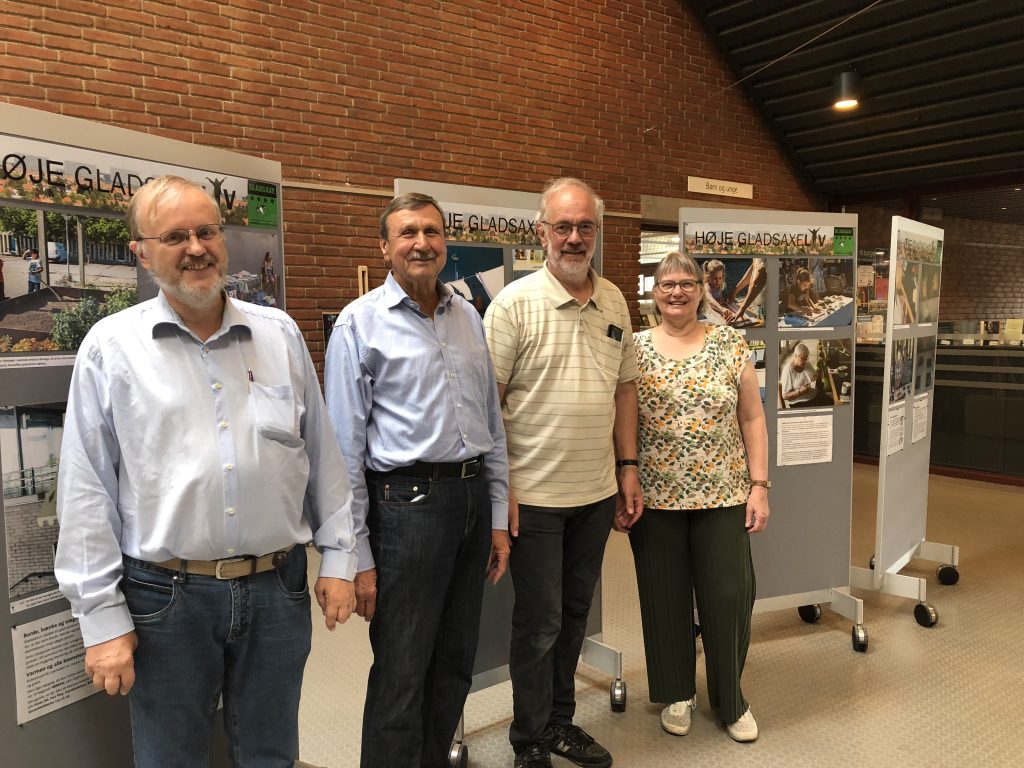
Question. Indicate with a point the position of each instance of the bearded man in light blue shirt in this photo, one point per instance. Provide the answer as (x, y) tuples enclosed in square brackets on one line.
[(197, 462), (414, 402)]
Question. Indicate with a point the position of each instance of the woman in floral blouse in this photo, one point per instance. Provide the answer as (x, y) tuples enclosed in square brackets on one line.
[(704, 468)]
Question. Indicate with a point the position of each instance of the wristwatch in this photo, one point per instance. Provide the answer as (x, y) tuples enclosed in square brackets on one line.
[(627, 463), (762, 483)]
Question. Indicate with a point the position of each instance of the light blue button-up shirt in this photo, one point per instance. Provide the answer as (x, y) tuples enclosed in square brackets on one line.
[(174, 447), (402, 387)]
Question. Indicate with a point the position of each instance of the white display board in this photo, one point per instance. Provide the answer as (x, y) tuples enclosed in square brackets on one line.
[(912, 310)]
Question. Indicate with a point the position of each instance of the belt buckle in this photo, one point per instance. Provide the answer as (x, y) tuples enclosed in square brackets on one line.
[(231, 561), (466, 465)]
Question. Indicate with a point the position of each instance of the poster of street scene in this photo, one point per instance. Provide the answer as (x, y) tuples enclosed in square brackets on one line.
[(30, 439), (733, 291), (901, 370), (815, 373), (816, 292)]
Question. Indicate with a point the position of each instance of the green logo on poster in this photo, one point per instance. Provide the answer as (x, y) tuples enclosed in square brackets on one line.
[(262, 204), (842, 241)]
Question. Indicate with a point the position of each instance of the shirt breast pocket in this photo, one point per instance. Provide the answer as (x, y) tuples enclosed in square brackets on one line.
[(276, 417)]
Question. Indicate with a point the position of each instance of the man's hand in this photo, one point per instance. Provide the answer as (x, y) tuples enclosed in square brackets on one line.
[(111, 664), (337, 599), (630, 504), (513, 516), (498, 560), (366, 593)]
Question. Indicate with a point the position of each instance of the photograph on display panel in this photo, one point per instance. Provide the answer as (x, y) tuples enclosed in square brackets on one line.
[(927, 299), (924, 365), (30, 440), (815, 373), (904, 303), (475, 272), (816, 292), (901, 370), (733, 291)]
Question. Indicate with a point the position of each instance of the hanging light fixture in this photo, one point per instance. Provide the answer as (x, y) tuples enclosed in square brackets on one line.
[(846, 90)]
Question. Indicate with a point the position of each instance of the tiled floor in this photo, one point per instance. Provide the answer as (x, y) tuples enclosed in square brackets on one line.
[(946, 695)]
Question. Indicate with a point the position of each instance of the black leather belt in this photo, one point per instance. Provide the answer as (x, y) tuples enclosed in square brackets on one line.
[(439, 470)]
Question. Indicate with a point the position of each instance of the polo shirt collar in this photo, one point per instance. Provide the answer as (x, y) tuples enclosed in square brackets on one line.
[(558, 296)]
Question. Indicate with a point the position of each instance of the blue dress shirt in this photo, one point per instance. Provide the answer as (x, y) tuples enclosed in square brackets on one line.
[(403, 387), (174, 447)]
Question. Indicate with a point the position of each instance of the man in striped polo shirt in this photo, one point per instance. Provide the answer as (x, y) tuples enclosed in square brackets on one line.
[(561, 343)]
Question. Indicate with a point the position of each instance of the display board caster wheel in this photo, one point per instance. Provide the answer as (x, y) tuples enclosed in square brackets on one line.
[(871, 563), (458, 755), (860, 638), (809, 613), (926, 614), (948, 574), (618, 696)]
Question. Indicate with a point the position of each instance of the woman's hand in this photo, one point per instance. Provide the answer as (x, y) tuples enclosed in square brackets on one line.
[(757, 509)]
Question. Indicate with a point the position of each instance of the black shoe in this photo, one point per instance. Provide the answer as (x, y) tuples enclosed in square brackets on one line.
[(534, 756), (573, 743)]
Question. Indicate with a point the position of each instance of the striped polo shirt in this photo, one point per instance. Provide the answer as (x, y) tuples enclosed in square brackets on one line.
[(560, 362)]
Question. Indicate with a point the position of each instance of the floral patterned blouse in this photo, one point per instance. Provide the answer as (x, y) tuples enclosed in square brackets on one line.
[(691, 448)]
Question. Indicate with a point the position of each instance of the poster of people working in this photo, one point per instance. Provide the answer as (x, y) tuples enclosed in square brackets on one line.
[(815, 266), (65, 260), (918, 276)]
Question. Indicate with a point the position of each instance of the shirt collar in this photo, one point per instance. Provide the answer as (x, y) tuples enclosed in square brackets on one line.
[(394, 294), (557, 294), (162, 315)]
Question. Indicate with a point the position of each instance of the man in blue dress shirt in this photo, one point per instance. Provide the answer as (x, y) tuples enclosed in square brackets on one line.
[(197, 461), (412, 395)]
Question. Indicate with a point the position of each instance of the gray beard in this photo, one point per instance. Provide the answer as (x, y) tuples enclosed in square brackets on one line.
[(191, 297)]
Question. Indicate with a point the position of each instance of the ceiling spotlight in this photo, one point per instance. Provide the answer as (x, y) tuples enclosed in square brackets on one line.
[(846, 90)]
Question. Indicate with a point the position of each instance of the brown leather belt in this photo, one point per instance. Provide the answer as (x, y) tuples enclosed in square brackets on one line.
[(230, 567)]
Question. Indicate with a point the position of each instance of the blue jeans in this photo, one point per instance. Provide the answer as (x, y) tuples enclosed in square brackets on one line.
[(431, 557), (555, 563), (33, 287), (199, 638)]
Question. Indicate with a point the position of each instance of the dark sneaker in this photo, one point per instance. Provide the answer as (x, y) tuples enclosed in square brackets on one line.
[(535, 756), (573, 743)]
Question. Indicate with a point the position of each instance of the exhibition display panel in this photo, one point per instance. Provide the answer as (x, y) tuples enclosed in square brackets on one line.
[(907, 405), (789, 287), (64, 187)]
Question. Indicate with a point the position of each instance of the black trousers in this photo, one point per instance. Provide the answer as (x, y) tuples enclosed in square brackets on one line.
[(679, 553), (555, 563)]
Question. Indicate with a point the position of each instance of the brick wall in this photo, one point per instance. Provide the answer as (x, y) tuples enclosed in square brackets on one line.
[(626, 94), (981, 263)]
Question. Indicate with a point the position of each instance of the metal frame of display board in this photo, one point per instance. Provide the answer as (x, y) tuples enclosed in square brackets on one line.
[(471, 212), (903, 462), (802, 560)]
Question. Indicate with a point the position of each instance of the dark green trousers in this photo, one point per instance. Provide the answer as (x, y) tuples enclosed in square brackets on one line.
[(679, 554)]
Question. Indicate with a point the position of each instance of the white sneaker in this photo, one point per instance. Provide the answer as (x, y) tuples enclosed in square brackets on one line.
[(744, 729), (675, 718)]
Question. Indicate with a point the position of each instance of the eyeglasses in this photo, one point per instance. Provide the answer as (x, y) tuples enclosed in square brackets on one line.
[(565, 228), (667, 286), (173, 237)]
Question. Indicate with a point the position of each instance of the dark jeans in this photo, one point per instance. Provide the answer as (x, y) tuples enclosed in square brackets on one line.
[(555, 564), (431, 556), (33, 287), (679, 553), (200, 637)]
